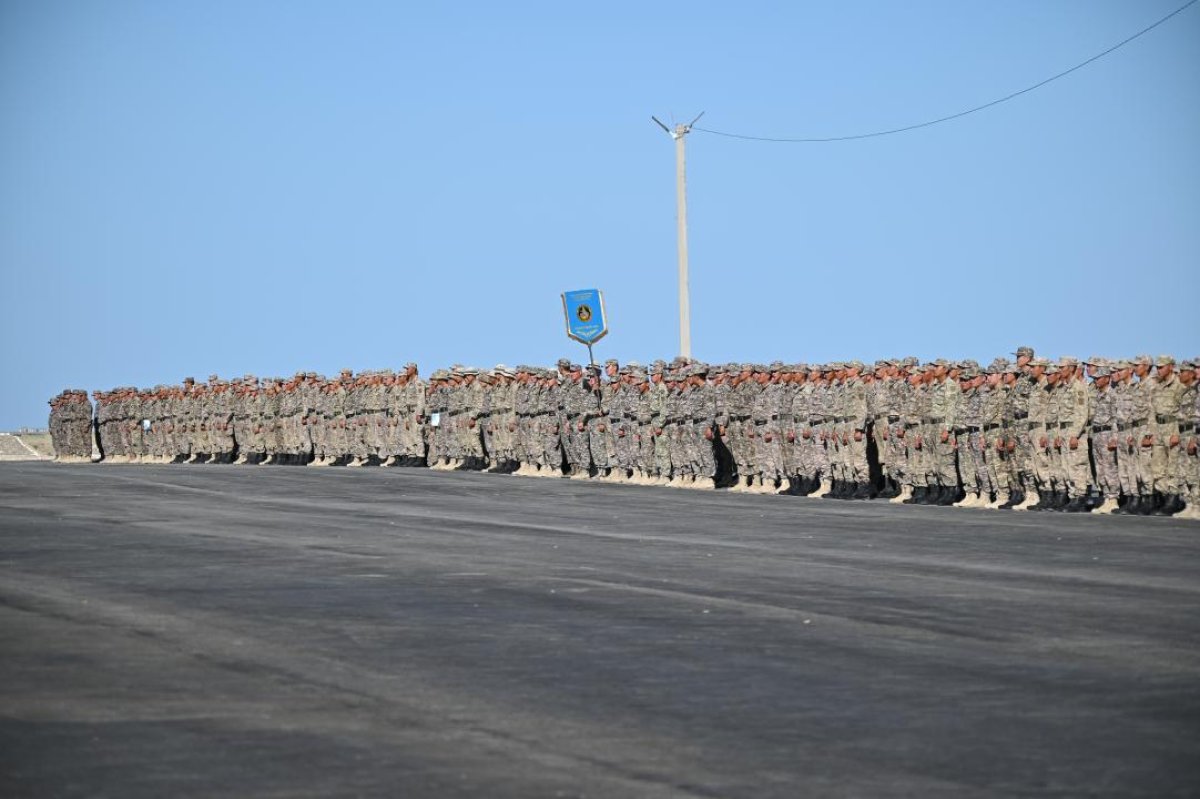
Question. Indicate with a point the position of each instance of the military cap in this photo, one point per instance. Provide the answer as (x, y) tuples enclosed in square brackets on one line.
[(1068, 360), (855, 365), (612, 362), (1024, 352), (1143, 359), (910, 362), (1040, 362), (1188, 364), (576, 367), (1096, 360), (563, 363), (700, 368), (1103, 370), (410, 365), (658, 367), (1121, 364), (1165, 360), (1012, 369)]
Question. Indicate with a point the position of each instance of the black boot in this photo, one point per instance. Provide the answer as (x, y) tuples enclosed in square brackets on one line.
[(918, 496), (1171, 504), (1145, 505), (1076, 505)]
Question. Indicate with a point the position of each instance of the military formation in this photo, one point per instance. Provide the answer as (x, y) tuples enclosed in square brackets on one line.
[(1100, 436)]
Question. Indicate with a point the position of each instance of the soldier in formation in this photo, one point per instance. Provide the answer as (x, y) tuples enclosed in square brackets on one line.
[(71, 426), (1105, 436)]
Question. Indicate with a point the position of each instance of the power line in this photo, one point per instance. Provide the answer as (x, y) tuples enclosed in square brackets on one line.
[(1004, 99)]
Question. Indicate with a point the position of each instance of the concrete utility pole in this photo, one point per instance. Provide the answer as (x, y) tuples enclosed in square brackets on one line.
[(685, 311)]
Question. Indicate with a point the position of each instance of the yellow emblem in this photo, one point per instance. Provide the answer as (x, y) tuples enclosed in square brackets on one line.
[(584, 313)]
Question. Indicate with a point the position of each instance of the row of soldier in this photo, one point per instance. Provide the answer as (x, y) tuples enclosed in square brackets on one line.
[(1025, 434)]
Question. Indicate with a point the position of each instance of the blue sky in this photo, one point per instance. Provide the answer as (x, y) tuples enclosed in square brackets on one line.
[(262, 187)]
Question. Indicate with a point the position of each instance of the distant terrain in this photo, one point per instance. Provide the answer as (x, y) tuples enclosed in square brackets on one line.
[(25, 447)]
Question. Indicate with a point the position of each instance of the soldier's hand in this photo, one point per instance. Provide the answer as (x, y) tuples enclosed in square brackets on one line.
[(621, 433), (791, 436), (1148, 441), (1073, 442), (602, 427), (1174, 440), (721, 429), (658, 431), (945, 436), (900, 433), (1058, 442), (708, 434), (580, 426), (917, 442), (767, 437), (1191, 447), (807, 433), (470, 423), (512, 427), (1012, 445), (1044, 442), (858, 435), (883, 434), (1112, 445), (845, 438), (999, 444)]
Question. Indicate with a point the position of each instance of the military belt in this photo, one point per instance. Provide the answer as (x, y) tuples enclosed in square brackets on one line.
[(1187, 428), (1138, 423), (935, 420), (1102, 428), (1020, 415), (759, 422), (972, 428), (1161, 419), (774, 417), (893, 419)]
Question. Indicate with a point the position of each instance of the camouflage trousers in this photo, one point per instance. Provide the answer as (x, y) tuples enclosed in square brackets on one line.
[(1165, 460)]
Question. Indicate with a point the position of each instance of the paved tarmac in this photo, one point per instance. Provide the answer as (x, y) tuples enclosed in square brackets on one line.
[(281, 631)]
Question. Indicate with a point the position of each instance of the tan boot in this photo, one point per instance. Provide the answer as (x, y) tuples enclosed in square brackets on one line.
[(823, 489), (1001, 498), (1031, 498), (905, 493), (1107, 506)]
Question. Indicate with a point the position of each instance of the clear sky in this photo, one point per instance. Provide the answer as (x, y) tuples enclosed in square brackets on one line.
[(232, 187)]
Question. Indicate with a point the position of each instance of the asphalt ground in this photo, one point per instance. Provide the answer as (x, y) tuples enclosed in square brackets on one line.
[(287, 631)]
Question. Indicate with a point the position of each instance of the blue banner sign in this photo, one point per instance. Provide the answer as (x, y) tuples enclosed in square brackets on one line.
[(584, 310)]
